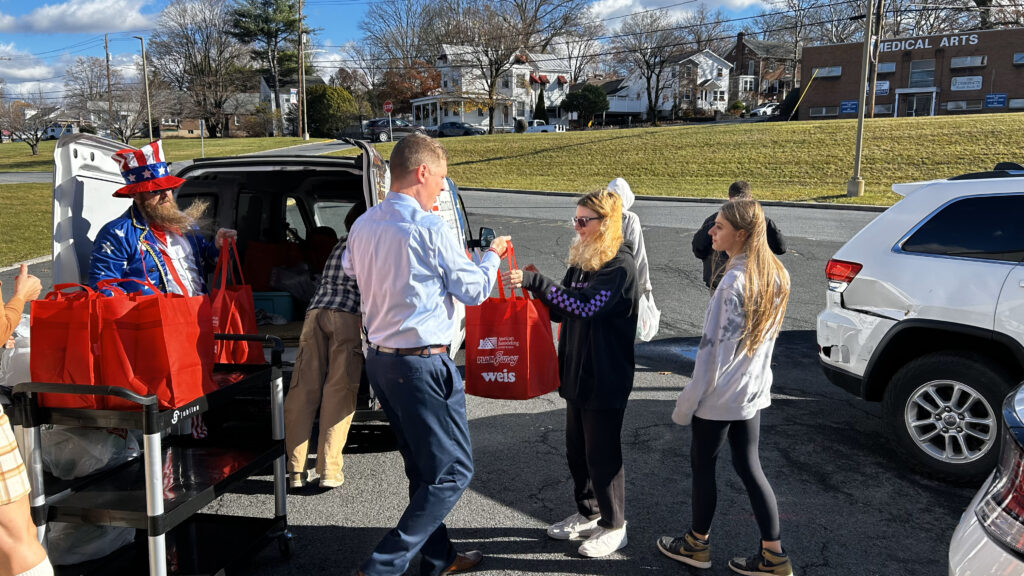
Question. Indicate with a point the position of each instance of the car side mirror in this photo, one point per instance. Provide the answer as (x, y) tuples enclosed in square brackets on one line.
[(486, 237)]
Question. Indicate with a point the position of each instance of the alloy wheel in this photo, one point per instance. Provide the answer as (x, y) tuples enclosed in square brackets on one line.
[(951, 421)]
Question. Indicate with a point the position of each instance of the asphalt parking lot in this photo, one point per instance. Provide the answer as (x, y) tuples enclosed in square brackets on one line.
[(849, 506)]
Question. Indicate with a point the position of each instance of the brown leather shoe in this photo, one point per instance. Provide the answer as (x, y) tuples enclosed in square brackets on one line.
[(464, 561)]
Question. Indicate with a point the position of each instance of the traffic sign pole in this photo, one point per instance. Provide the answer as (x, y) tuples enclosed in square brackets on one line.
[(388, 107)]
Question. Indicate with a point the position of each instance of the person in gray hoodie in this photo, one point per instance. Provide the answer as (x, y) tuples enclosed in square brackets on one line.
[(632, 232), (731, 385)]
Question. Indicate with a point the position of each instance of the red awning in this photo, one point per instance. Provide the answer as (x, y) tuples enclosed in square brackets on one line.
[(544, 79), (533, 79), (562, 80)]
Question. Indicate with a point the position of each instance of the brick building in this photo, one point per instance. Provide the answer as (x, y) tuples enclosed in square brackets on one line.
[(959, 73), (762, 71)]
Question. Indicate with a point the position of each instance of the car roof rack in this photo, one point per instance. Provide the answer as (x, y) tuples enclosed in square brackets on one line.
[(1002, 170)]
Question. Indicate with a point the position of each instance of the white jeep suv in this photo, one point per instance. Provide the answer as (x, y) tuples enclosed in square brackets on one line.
[(925, 313)]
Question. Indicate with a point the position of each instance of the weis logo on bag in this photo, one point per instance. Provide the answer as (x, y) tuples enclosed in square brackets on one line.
[(488, 343), (503, 376)]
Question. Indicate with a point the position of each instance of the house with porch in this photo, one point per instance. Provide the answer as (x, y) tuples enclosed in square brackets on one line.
[(698, 81), (463, 94), (762, 71)]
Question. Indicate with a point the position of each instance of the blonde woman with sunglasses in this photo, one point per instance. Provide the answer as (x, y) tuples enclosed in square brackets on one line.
[(597, 305), (730, 386)]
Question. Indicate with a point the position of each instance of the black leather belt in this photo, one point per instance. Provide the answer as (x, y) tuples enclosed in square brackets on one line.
[(421, 351)]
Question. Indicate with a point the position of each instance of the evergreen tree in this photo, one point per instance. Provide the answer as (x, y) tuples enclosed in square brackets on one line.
[(540, 112)]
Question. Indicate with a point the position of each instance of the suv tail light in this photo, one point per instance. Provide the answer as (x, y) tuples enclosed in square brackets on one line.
[(840, 273), (1001, 509)]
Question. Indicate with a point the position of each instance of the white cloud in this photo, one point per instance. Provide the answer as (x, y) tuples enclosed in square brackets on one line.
[(82, 16), (6, 22), (617, 9), (18, 66)]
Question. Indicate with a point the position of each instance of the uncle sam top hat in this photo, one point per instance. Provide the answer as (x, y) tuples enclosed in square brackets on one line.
[(144, 170)]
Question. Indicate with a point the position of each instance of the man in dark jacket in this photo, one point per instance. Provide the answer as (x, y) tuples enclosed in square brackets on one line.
[(714, 262)]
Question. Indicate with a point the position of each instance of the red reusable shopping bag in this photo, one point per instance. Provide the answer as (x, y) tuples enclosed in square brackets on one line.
[(233, 310), (159, 344), (510, 352), (63, 333)]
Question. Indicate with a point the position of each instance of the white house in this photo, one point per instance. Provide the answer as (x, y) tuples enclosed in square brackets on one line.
[(463, 94), (697, 81), (289, 91)]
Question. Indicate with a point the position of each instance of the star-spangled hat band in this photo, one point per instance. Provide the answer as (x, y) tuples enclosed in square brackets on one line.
[(144, 170)]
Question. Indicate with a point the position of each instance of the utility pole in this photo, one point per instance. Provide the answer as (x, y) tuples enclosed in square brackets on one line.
[(302, 75), (880, 22), (855, 187), (145, 78), (110, 97)]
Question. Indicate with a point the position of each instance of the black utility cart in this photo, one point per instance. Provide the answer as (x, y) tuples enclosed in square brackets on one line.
[(162, 492)]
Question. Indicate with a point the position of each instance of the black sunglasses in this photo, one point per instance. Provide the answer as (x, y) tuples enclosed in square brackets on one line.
[(582, 221)]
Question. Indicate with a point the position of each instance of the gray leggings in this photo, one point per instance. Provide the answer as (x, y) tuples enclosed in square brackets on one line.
[(708, 438)]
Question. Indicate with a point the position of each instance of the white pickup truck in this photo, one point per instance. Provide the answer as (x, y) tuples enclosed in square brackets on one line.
[(535, 126)]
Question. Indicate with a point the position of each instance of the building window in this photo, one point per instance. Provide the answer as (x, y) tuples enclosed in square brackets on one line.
[(686, 95), (750, 68), (967, 61), (719, 95), (444, 83), (688, 71), (922, 74), (506, 82), (963, 105), (480, 112), (1016, 104), (720, 72), (883, 108), (827, 72), (746, 84), (820, 111), (886, 67), (1018, 59)]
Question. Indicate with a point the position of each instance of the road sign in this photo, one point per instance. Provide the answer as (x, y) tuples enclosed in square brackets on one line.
[(388, 107), (995, 100)]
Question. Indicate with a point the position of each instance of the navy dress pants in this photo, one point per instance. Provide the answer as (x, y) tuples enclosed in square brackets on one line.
[(425, 401)]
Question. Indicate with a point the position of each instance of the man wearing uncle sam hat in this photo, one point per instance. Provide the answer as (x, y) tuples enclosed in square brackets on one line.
[(154, 239)]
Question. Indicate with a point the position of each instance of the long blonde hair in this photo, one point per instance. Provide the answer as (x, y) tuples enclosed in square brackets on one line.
[(594, 254), (766, 290)]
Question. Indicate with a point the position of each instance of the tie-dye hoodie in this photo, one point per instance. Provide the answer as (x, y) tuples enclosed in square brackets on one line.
[(726, 383), (598, 312)]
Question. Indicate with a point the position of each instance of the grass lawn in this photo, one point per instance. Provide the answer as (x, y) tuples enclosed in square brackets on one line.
[(17, 156), (796, 161), (25, 221)]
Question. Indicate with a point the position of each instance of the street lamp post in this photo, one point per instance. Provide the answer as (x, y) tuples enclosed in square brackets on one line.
[(145, 79), (855, 187)]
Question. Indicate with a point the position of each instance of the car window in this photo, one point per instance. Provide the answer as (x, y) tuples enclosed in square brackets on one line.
[(332, 213), (986, 227), (293, 218)]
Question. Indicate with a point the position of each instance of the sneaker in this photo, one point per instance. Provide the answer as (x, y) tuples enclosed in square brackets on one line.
[(332, 481), (604, 541), (575, 526), (300, 479), (764, 563), (687, 549)]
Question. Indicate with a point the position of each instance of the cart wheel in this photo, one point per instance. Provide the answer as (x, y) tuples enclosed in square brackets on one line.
[(284, 545)]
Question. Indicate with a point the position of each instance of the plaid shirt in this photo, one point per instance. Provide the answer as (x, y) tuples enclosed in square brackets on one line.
[(336, 290), (13, 476)]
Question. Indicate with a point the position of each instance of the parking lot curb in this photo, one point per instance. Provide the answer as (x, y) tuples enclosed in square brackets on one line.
[(688, 199)]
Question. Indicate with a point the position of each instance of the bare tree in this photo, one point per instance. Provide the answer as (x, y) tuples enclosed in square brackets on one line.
[(193, 51), (496, 37), (366, 69), (544, 20), (85, 81), (833, 24), (395, 29), (707, 30), (647, 44), (27, 119), (581, 46)]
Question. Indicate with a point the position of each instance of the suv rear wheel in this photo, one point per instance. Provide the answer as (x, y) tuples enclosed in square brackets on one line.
[(382, 137), (942, 409)]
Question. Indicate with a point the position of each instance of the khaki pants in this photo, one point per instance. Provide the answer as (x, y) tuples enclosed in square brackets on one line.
[(326, 376)]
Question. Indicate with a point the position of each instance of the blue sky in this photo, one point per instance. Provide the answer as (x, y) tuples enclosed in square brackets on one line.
[(39, 39)]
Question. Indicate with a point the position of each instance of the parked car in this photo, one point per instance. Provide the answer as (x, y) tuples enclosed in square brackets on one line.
[(459, 129), (768, 109), (923, 313), (537, 126), (292, 205), (990, 536), (382, 130)]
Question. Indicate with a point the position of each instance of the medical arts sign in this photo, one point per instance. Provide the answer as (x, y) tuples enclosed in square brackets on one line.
[(930, 42)]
